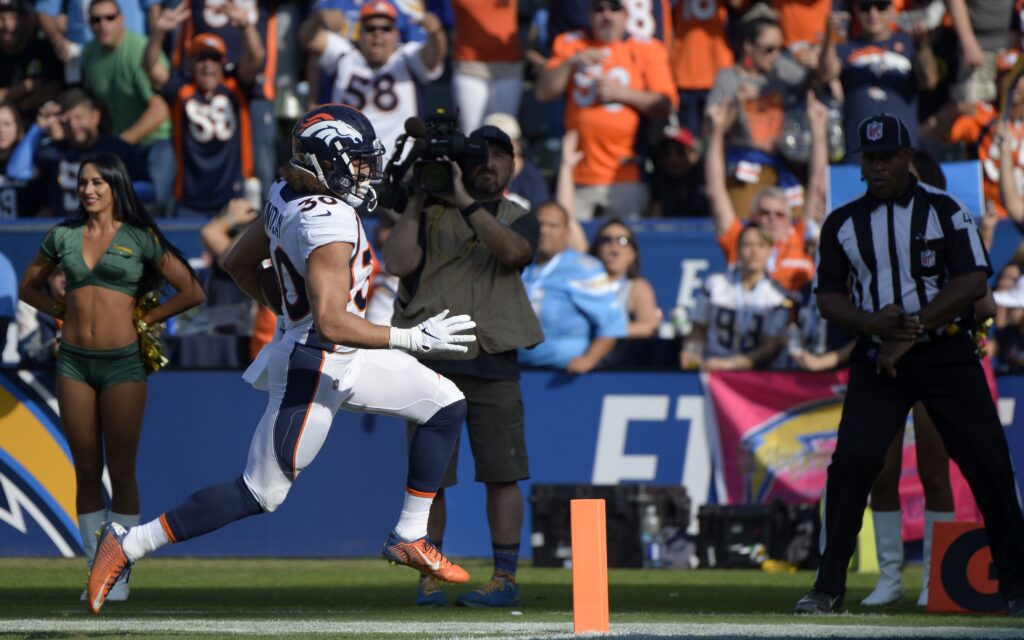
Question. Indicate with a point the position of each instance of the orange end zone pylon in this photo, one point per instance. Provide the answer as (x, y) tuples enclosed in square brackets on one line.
[(589, 567)]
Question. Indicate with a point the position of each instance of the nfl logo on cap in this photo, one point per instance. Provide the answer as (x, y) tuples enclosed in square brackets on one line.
[(883, 133)]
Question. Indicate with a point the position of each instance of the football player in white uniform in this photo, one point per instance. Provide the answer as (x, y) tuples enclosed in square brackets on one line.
[(328, 357), (741, 315), (377, 75)]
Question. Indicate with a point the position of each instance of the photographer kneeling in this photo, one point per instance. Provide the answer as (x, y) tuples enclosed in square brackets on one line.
[(463, 250)]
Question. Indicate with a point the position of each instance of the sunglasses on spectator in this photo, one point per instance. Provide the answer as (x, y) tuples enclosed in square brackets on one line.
[(607, 6), (110, 17), (622, 241), (768, 49), (375, 28), (867, 6)]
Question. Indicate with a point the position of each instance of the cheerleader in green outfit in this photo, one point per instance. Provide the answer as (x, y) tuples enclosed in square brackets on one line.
[(113, 256)]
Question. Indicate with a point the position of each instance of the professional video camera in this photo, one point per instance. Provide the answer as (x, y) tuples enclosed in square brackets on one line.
[(433, 139)]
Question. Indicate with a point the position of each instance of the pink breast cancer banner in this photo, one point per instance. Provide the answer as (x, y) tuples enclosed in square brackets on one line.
[(776, 432)]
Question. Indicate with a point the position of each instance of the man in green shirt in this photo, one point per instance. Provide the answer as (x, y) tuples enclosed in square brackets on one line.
[(112, 71)]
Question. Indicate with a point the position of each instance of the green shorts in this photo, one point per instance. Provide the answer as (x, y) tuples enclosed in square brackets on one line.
[(100, 368), (497, 435)]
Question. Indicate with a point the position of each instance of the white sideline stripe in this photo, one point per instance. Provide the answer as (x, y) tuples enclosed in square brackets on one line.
[(455, 629)]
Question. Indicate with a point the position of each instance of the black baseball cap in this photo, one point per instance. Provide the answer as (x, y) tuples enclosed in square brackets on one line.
[(883, 132), (494, 136)]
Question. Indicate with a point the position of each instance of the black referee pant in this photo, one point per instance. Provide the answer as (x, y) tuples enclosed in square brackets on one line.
[(947, 377)]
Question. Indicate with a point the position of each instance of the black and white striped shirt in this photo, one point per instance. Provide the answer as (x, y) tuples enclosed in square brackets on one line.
[(898, 252)]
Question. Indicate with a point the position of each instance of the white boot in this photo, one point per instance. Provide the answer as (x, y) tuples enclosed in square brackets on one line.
[(930, 518), (90, 525), (119, 592), (889, 547)]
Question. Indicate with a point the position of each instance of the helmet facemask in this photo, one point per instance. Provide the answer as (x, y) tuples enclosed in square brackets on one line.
[(347, 177)]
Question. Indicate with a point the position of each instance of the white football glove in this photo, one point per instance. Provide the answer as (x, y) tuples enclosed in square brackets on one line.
[(434, 334)]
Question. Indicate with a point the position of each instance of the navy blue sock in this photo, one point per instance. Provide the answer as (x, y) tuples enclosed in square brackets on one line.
[(506, 558), (211, 508), (432, 447)]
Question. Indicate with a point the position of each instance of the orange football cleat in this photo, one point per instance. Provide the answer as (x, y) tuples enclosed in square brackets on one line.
[(422, 555)]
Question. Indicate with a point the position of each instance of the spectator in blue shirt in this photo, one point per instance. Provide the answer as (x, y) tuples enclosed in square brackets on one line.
[(575, 300)]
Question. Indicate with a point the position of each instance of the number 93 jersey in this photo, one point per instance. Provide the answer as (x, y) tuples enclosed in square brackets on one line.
[(739, 320), (296, 225)]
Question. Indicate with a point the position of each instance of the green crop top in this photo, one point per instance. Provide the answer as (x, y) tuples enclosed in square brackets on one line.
[(120, 268)]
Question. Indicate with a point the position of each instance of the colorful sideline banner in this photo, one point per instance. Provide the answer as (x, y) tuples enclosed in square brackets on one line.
[(776, 432)]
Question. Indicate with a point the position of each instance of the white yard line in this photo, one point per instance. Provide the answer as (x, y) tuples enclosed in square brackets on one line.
[(477, 630)]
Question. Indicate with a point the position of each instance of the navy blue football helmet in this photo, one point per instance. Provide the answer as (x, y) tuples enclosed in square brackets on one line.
[(337, 144)]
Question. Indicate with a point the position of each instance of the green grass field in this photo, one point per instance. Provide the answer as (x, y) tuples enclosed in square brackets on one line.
[(368, 599)]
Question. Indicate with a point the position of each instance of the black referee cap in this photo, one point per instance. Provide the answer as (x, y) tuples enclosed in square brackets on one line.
[(883, 132)]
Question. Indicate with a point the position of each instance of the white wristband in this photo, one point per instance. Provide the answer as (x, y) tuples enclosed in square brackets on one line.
[(398, 339), (401, 339)]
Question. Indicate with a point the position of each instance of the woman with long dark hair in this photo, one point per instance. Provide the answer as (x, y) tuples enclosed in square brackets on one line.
[(615, 246), (759, 88), (114, 257)]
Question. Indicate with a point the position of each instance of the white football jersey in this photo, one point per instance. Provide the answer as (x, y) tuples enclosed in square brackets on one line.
[(738, 320), (296, 224), (386, 95)]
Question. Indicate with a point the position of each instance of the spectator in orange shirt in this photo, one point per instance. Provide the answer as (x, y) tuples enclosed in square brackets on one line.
[(974, 125), (700, 49), (803, 25), (789, 263), (759, 87), (611, 82), (1008, 137), (488, 74)]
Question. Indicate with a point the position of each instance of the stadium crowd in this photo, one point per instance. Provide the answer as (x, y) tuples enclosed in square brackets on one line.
[(726, 111)]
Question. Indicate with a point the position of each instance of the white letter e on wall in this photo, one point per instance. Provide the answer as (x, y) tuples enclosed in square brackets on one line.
[(611, 464)]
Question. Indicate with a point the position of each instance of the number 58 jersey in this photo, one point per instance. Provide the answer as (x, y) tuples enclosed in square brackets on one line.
[(296, 225), (387, 95)]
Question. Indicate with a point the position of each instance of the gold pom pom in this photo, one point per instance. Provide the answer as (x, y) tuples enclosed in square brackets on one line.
[(981, 336), (154, 357)]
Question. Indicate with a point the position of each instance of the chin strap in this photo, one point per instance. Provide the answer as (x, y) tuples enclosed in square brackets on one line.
[(360, 196)]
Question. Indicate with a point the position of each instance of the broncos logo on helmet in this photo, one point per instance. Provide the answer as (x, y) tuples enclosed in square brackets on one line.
[(333, 132), (337, 144)]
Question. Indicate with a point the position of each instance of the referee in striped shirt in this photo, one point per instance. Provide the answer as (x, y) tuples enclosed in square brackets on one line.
[(902, 266)]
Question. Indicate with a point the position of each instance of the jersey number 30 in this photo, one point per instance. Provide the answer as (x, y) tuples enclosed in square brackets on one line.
[(293, 285)]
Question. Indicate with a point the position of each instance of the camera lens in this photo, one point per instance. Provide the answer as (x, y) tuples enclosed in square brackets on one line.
[(434, 177)]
